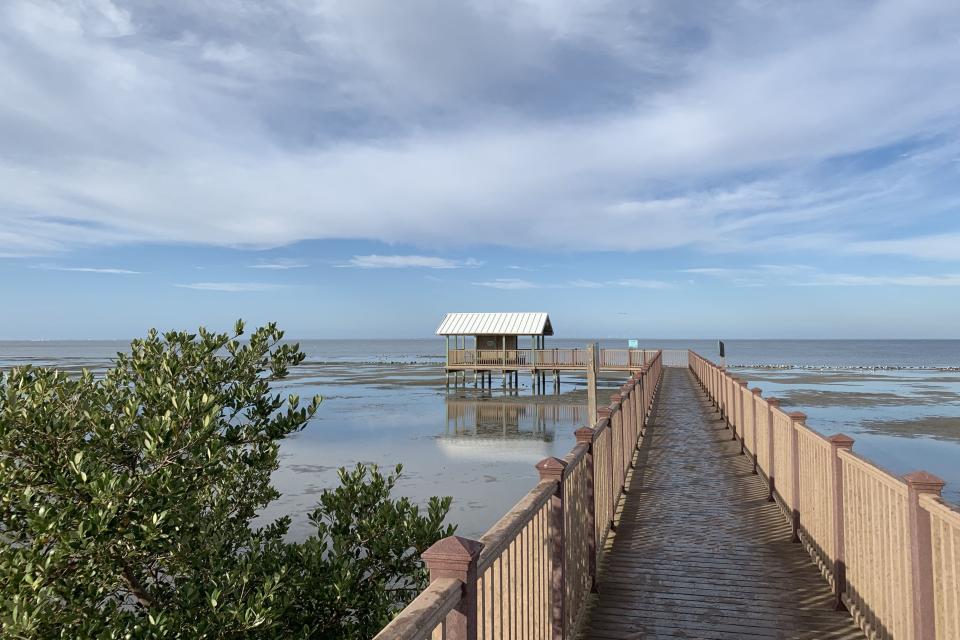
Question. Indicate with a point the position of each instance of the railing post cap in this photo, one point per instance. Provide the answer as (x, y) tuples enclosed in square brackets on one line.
[(773, 402), (604, 412), (756, 391), (797, 416), (452, 553), (841, 441), (742, 383), (924, 482), (584, 435), (551, 468)]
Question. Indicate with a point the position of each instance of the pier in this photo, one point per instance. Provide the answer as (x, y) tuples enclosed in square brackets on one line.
[(694, 507), (496, 336)]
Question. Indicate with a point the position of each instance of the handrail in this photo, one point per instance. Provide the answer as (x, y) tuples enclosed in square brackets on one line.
[(428, 611), (888, 546), (531, 573), (575, 358)]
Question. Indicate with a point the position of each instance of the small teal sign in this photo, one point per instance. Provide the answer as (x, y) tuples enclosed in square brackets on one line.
[(633, 344)]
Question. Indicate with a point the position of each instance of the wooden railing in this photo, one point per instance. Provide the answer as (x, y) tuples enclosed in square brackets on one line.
[(625, 359), (530, 575), (888, 546)]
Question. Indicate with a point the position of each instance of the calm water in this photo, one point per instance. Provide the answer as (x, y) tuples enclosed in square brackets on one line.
[(385, 402)]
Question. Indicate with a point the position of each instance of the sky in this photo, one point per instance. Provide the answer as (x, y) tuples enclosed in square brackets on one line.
[(356, 168)]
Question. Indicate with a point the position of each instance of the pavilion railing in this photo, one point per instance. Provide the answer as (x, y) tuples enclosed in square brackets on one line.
[(530, 575), (888, 546), (625, 359)]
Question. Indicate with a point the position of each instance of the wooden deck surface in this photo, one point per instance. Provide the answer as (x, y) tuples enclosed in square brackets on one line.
[(699, 552)]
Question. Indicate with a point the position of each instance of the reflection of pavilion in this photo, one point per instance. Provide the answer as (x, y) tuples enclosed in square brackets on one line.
[(509, 420)]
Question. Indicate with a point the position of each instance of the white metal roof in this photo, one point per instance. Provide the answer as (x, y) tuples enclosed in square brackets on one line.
[(495, 324)]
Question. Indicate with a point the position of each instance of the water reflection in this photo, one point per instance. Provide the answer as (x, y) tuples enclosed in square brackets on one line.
[(478, 447), (505, 431)]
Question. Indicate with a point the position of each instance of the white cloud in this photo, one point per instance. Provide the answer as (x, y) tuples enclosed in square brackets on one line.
[(280, 265), (853, 280), (404, 262), (808, 276), (233, 287), (109, 270), (508, 284), (944, 246), (367, 120), (584, 284), (641, 284), (579, 283)]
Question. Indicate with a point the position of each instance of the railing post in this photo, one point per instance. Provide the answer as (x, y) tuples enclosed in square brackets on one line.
[(585, 435), (592, 407), (742, 414), (838, 441), (772, 403), (629, 425), (604, 413), (757, 391), (638, 407), (552, 469), (921, 554), (618, 420), (456, 557), (797, 417), (722, 391)]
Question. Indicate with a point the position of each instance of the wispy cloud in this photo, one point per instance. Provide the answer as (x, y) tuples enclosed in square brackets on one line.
[(641, 284), (853, 280), (808, 276), (279, 265), (579, 283), (233, 287), (108, 270), (508, 284), (375, 261), (944, 246)]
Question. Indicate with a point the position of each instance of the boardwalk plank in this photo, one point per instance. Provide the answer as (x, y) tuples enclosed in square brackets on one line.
[(699, 552)]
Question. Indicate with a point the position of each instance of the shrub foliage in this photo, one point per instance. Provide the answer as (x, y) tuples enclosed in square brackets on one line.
[(126, 503)]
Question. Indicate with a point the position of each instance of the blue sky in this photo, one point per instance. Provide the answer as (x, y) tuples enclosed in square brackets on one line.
[(356, 168)]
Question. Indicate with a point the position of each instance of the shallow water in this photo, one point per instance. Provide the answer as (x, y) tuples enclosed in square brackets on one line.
[(902, 420), (386, 402)]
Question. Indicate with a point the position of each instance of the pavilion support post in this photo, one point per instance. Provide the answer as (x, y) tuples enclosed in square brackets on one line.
[(585, 436), (756, 391), (772, 471), (456, 558), (553, 469), (797, 417), (921, 553), (838, 441)]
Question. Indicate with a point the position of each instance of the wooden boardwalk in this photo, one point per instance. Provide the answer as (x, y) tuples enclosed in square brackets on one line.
[(698, 551)]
